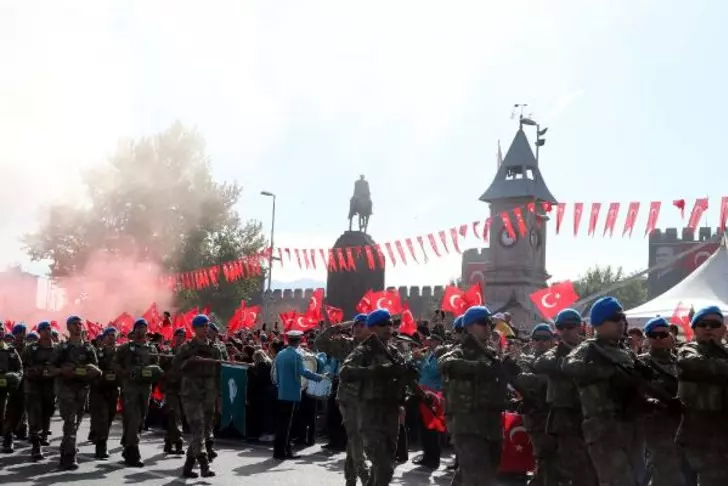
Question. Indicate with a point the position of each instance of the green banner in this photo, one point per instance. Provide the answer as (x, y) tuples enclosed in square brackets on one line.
[(234, 387)]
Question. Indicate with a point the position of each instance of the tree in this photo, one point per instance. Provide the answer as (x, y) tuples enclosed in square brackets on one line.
[(597, 278), (155, 200)]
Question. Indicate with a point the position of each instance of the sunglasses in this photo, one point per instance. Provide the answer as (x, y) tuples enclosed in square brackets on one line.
[(384, 324), (618, 317), (710, 324), (541, 338), (658, 335), (569, 327)]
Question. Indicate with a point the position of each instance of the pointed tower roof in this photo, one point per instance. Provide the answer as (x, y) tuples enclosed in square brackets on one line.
[(518, 175)]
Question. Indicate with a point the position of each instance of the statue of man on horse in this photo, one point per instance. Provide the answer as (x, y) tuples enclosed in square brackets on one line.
[(360, 204)]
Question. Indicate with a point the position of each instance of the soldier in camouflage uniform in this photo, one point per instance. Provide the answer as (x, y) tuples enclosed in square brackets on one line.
[(338, 346), (214, 335), (703, 391), (11, 374), (382, 377), (198, 388), (475, 397), (104, 394), (610, 399), (15, 416), (133, 363), (664, 460), (172, 402), (76, 366), (535, 410), (564, 421), (39, 390)]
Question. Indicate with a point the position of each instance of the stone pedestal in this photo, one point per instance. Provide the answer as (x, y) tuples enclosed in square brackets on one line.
[(344, 289)]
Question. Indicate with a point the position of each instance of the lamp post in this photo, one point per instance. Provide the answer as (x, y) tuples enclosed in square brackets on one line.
[(270, 254)]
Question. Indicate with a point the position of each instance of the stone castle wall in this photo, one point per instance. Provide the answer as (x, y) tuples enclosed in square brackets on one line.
[(423, 301)]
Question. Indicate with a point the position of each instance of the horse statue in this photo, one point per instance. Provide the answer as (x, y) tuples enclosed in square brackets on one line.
[(360, 204)]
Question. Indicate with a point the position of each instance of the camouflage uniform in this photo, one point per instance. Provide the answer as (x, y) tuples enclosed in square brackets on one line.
[(210, 440), (381, 376), (347, 395), (40, 394), (535, 411), (172, 406), (103, 399), (198, 390), (129, 361), (72, 393), (565, 419), (16, 414), (475, 397), (703, 391), (610, 403), (10, 362)]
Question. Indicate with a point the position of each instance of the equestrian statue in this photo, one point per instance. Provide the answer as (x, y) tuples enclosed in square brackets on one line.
[(360, 204)]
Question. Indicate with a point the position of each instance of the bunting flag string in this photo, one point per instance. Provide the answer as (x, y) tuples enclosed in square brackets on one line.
[(438, 243)]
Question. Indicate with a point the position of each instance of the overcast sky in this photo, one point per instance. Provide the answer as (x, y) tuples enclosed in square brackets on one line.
[(299, 98)]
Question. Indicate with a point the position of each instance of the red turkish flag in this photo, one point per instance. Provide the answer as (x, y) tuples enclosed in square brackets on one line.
[(124, 323), (315, 305), (517, 453), (701, 205), (474, 295), (93, 329), (612, 214), (723, 212), (166, 329), (408, 325), (302, 322), (365, 305), (653, 217), (680, 204), (632, 212), (287, 318), (560, 210), (552, 300), (248, 316), (522, 230), (681, 318), (433, 416), (235, 322), (334, 314), (508, 225), (594, 217), (387, 299), (578, 210), (152, 317), (453, 300), (454, 235)]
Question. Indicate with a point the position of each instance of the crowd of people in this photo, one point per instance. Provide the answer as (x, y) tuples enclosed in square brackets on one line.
[(603, 404)]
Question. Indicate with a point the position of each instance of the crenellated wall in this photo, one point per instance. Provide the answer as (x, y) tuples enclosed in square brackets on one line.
[(665, 245), (423, 301)]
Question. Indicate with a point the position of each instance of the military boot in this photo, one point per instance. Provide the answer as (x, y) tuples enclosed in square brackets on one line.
[(101, 450), (211, 454), (205, 466), (8, 444), (167, 446), (44, 439), (68, 462), (132, 458), (179, 450), (188, 469), (35, 452)]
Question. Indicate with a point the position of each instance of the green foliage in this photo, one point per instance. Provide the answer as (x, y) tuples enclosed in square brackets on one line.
[(154, 200), (598, 278)]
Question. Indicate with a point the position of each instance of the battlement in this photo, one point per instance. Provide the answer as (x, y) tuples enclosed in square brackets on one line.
[(670, 235), (422, 301), (475, 254)]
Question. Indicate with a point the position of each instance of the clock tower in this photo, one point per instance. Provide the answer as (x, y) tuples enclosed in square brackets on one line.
[(516, 262)]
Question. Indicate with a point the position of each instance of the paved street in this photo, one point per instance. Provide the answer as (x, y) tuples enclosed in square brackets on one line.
[(239, 463)]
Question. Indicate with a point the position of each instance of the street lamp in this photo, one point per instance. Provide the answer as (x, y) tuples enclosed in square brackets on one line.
[(270, 254)]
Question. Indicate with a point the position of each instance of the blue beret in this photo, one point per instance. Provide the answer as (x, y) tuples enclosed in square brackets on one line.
[(214, 327), (32, 336), (360, 318), (377, 316), (654, 323), (73, 319), (180, 330), (43, 326), (542, 328), (712, 310), (140, 322), (475, 314), (200, 320), (108, 330), (458, 322), (567, 316), (18, 328), (604, 309)]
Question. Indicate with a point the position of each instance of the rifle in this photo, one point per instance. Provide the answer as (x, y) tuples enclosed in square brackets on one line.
[(645, 386), (502, 372)]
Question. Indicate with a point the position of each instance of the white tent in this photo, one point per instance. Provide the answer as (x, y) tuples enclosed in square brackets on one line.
[(707, 285)]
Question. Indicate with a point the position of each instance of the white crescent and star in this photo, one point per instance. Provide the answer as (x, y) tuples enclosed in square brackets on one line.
[(387, 304), (453, 299), (515, 430), (553, 303)]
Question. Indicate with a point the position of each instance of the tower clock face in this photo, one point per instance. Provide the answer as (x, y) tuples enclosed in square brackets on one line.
[(535, 238), (507, 240)]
